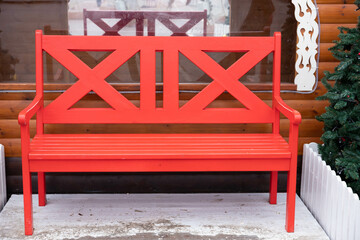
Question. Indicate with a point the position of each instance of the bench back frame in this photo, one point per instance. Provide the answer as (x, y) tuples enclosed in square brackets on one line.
[(123, 48)]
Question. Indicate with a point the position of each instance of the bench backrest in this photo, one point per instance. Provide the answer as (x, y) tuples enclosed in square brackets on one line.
[(125, 17), (124, 111)]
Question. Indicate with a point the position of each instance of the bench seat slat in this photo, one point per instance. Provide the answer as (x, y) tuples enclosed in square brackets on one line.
[(75, 147), (128, 137), (159, 146)]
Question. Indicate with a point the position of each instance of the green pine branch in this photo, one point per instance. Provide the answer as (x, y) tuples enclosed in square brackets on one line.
[(341, 148)]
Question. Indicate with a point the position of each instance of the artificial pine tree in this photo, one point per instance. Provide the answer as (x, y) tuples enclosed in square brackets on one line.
[(341, 148)]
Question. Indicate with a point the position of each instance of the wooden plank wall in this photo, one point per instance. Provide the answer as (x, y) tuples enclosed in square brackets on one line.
[(332, 14)]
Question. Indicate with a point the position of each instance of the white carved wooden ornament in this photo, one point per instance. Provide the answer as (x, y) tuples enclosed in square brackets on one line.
[(307, 32)]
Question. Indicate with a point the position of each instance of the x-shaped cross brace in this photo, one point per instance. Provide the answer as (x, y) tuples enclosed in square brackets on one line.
[(225, 79), (95, 79)]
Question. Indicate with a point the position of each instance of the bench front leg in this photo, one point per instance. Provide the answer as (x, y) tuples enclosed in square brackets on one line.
[(27, 192), (24, 119), (291, 178), (26, 175), (295, 119)]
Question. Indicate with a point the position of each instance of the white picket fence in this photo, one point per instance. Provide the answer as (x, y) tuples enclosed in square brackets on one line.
[(328, 198), (2, 178)]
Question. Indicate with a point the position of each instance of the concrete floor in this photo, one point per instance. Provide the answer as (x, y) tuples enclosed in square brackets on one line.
[(159, 216)]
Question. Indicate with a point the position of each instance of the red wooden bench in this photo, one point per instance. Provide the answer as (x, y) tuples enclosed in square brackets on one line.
[(158, 152), (150, 17)]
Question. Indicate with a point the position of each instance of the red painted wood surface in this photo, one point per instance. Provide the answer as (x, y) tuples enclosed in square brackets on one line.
[(150, 17), (158, 152), (158, 146)]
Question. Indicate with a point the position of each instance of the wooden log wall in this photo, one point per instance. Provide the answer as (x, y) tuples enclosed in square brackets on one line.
[(333, 13)]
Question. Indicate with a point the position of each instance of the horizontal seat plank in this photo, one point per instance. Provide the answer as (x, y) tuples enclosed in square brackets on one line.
[(158, 146)]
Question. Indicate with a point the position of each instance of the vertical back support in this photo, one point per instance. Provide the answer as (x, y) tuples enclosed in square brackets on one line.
[(276, 124), (147, 80), (39, 79), (39, 115), (276, 78), (171, 80)]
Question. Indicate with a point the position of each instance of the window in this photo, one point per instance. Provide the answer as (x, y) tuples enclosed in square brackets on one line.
[(220, 18)]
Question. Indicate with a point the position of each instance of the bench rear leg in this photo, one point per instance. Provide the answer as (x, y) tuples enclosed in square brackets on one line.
[(41, 189), (27, 192), (273, 187), (290, 201)]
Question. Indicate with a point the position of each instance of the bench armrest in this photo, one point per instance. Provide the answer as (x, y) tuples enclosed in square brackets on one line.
[(293, 115), (26, 114)]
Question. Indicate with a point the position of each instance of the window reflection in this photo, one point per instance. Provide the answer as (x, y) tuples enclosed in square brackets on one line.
[(146, 23), (144, 17), (7, 65), (220, 18)]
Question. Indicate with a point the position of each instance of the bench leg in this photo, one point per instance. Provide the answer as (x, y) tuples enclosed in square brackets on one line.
[(41, 189), (27, 191), (290, 201), (273, 187)]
